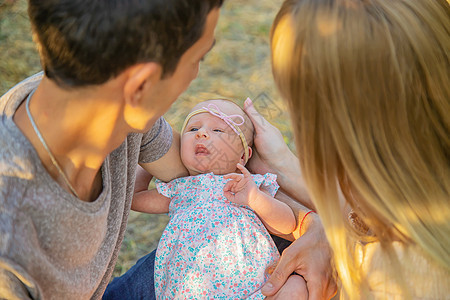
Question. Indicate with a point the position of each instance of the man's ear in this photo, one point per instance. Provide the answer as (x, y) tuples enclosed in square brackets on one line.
[(250, 152), (140, 77)]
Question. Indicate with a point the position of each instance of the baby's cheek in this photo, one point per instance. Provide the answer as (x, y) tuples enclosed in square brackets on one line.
[(184, 156)]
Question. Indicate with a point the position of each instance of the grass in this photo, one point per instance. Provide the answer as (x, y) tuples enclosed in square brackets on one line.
[(238, 67)]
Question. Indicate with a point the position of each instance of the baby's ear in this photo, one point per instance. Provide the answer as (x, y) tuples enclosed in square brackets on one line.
[(250, 152)]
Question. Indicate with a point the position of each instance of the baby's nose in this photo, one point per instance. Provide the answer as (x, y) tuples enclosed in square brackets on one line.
[(201, 133)]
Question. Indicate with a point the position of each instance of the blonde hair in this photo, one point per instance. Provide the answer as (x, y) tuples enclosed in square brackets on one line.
[(367, 82)]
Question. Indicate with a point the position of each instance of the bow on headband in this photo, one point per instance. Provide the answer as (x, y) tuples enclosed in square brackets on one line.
[(215, 111)]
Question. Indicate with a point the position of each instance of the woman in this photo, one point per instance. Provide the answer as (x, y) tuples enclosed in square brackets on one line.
[(368, 87)]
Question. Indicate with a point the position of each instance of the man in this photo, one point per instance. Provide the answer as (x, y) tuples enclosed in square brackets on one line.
[(71, 138)]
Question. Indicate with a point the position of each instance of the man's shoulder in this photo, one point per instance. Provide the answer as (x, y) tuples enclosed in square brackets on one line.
[(21, 89), (15, 160), (15, 172), (15, 156)]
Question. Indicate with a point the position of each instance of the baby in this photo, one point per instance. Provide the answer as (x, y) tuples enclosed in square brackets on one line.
[(216, 244)]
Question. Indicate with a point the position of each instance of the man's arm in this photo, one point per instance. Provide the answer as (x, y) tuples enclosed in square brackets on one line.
[(145, 200), (169, 166), (166, 168)]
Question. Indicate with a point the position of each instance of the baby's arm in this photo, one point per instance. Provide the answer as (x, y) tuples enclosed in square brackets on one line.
[(151, 202), (148, 201), (277, 216)]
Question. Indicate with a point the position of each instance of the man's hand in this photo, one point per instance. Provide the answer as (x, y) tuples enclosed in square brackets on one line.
[(309, 256)]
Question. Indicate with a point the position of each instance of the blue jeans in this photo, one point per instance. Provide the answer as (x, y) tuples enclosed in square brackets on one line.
[(136, 283)]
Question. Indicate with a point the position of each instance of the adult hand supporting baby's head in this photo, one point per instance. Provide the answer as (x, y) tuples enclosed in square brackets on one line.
[(268, 141), (274, 156)]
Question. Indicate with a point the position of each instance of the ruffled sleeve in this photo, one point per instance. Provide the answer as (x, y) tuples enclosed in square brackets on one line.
[(167, 189), (268, 181)]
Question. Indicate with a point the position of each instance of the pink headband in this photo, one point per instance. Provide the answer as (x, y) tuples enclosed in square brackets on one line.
[(215, 111)]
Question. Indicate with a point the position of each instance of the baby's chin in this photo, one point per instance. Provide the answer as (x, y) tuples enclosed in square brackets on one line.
[(195, 171)]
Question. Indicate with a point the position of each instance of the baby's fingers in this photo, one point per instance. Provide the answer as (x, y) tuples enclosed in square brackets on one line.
[(244, 170), (233, 176), (230, 196), (228, 186), (228, 190)]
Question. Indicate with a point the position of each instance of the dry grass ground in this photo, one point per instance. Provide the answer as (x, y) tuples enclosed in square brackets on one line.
[(238, 67)]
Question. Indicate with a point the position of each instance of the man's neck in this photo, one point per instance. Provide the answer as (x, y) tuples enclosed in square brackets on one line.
[(81, 127)]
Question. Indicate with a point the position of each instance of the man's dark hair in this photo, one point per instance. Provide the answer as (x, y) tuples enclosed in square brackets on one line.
[(87, 42)]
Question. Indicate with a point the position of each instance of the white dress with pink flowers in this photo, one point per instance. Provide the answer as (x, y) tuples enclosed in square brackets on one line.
[(212, 248)]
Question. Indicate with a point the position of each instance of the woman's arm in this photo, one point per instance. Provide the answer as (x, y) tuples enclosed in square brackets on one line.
[(273, 155), (310, 254), (276, 215)]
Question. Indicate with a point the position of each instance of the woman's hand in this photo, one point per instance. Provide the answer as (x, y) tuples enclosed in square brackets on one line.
[(309, 256), (273, 155), (271, 150)]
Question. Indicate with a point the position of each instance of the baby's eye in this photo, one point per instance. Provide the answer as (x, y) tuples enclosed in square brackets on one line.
[(218, 130), (193, 129)]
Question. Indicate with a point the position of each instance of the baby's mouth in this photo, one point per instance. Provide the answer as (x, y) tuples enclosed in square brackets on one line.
[(201, 150)]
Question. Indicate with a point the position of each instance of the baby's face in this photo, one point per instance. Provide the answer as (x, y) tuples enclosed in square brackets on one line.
[(208, 144)]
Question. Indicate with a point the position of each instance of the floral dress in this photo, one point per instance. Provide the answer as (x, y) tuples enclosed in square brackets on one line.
[(212, 248)]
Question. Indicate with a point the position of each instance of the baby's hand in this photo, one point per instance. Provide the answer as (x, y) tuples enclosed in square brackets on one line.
[(241, 189)]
